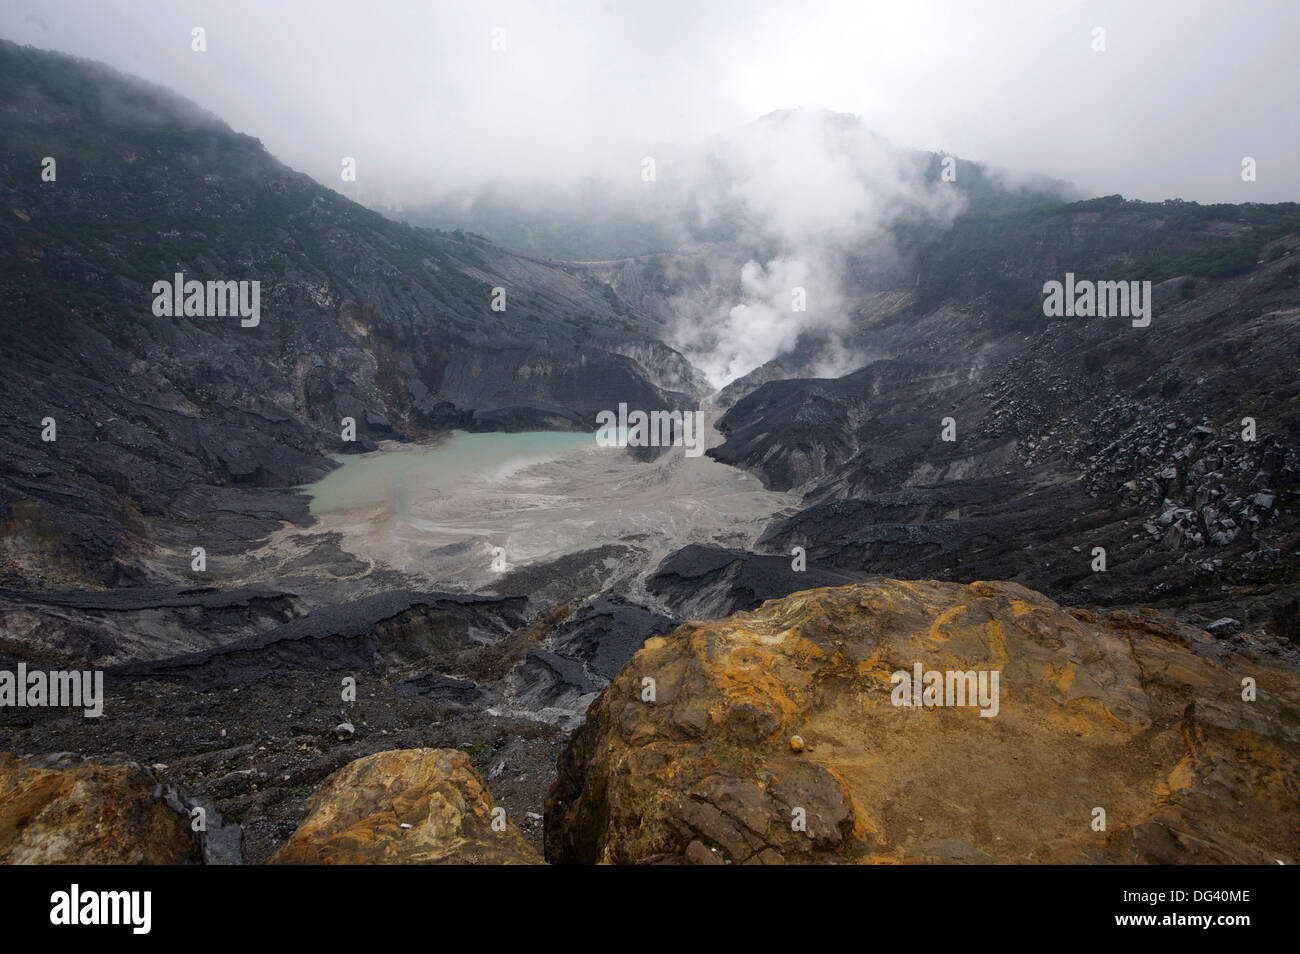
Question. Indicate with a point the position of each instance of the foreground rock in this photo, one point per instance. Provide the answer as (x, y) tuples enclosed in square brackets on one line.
[(1130, 712), (410, 806), (57, 810)]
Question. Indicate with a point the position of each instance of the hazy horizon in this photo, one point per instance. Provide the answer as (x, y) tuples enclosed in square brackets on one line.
[(426, 106)]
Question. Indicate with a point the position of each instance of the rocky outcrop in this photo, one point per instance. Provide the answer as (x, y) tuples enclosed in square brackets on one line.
[(704, 581), (773, 736), (410, 806), (395, 629), (58, 810), (1173, 447)]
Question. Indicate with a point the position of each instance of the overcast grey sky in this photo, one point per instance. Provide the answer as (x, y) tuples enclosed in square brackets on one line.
[(1183, 91)]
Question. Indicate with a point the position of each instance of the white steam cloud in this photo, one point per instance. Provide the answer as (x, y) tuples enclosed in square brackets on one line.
[(816, 189)]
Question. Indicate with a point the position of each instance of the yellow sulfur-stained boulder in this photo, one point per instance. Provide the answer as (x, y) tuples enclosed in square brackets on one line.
[(407, 806), (59, 810), (687, 754)]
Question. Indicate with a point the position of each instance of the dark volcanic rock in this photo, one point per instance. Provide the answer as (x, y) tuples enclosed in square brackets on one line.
[(390, 629), (605, 634), (1069, 435), (706, 582), (444, 689)]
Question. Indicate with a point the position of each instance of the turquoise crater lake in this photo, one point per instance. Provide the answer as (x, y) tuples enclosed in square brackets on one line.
[(457, 514), (404, 473)]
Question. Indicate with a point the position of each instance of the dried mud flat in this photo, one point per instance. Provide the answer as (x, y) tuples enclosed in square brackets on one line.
[(579, 499)]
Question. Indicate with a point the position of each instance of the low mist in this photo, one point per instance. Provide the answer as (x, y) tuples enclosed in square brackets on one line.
[(533, 122)]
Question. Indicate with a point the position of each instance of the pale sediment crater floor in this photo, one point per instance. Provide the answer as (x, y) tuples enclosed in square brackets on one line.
[(440, 513)]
